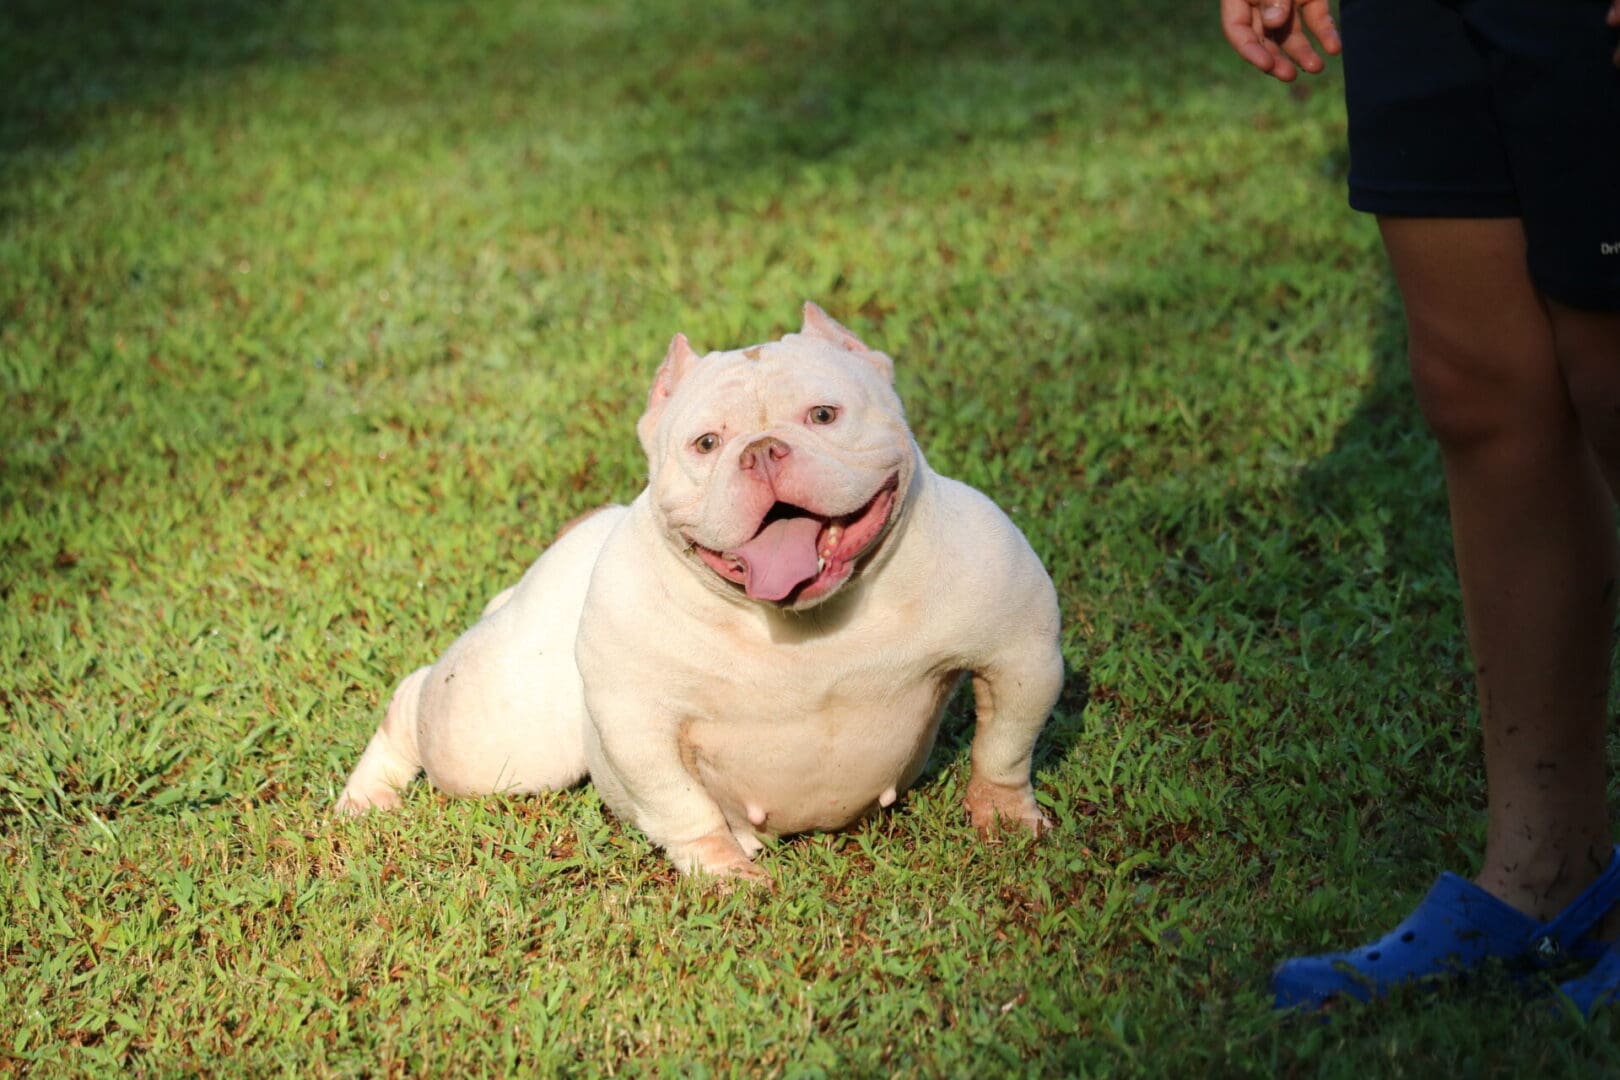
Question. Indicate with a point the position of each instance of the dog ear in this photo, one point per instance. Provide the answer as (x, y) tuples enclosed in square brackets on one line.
[(678, 360), (819, 324)]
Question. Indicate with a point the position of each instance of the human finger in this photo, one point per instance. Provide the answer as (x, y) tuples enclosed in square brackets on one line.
[(1275, 14), (1283, 68), (1276, 63), (1241, 23), (1298, 48), (1318, 16)]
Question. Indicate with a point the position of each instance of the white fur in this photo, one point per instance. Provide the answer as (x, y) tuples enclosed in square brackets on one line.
[(710, 720)]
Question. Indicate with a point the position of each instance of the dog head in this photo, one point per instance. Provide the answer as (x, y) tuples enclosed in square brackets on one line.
[(778, 469)]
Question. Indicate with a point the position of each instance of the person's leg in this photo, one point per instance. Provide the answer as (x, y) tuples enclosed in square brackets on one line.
[(1488, 153), (1533, 531), (1588, 345), (1534, 536)]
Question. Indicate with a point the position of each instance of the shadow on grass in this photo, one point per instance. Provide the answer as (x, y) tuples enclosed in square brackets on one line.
[(72, 64), (1415, 778), (1384, 458), (733, 85)]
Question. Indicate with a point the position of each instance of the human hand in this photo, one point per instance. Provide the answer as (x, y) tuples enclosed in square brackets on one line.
[(1270, 34)]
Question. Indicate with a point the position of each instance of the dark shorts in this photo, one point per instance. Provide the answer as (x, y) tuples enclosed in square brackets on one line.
[(1493, 108)]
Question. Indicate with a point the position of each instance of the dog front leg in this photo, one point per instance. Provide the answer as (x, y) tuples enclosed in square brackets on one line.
[(647, 780), (1013, 697)]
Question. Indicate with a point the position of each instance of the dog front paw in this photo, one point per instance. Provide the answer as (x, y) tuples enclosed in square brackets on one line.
[(992, 807)]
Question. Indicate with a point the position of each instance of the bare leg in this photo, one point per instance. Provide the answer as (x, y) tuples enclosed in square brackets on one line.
[(1589, 351), (1532, 527)]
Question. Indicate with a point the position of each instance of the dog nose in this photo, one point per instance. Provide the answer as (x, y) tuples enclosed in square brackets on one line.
[(763, 454)]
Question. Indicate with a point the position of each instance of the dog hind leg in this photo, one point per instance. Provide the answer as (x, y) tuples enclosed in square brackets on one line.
[(391, 760)]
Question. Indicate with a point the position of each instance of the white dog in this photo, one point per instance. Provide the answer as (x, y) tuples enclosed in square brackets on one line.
[(762, 643)]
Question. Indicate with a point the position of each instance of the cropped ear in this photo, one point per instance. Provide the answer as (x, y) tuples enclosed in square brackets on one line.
[(678, 360), (819, 324)]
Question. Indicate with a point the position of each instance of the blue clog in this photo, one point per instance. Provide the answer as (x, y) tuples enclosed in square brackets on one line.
[(1598, 987), (1456, 928)]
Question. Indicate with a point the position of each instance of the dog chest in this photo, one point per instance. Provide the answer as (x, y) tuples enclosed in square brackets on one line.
[(777, 764)]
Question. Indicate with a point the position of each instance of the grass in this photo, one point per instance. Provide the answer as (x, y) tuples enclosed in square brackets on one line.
[(316, 321)]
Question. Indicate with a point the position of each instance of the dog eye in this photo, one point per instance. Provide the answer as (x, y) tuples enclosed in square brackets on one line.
[(706, 442), (823, 414)]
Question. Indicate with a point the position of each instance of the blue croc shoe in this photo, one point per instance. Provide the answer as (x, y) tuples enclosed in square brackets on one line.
[(1456, 928), (1598, 987)]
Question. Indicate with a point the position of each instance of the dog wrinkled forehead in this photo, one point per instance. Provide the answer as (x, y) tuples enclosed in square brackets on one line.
[(822, 346)]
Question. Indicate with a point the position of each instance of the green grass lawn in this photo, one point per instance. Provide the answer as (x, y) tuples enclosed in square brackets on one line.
[(317, 320)]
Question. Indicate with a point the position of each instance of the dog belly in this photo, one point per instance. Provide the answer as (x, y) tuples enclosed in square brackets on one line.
[(816, 771)]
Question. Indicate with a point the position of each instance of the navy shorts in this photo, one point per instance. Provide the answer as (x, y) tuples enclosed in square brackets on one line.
[(1493, 108)]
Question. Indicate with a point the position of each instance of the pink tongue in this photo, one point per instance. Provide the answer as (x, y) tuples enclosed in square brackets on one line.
[(781, 558)]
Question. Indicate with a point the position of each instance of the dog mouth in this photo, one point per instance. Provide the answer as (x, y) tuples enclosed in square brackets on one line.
[(797, 554)]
